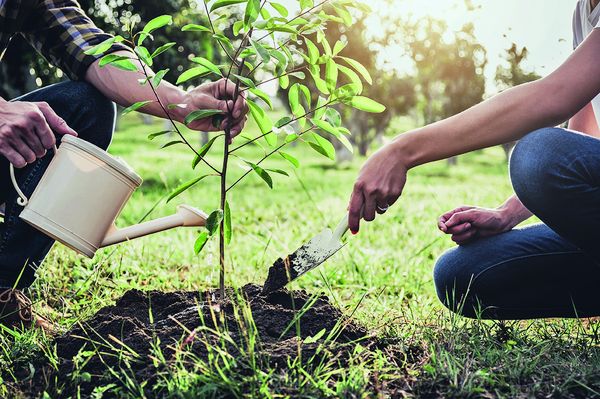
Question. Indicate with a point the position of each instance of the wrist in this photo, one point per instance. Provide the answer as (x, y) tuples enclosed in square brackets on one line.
[(406, 149), (174, 100), (513, 212)]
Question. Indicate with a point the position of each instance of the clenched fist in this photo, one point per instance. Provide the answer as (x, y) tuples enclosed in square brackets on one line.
[(27, 130)]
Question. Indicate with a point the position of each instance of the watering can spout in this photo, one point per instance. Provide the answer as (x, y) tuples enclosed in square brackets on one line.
[(185, 216)]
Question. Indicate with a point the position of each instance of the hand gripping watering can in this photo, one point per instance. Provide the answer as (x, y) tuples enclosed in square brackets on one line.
[(81, 194)]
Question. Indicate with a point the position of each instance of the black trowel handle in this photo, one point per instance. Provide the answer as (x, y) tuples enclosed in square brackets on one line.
[(341, 228)]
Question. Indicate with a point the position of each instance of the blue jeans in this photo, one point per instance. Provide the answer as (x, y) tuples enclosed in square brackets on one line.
[(550, 269), (92, 116)]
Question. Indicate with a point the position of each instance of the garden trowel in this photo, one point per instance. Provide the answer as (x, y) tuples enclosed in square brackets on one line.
[(305, 258)]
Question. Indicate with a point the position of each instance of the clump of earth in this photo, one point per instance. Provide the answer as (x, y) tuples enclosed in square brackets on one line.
[(127, 334)]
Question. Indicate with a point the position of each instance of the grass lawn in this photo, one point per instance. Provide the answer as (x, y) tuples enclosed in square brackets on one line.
[(383, 275)]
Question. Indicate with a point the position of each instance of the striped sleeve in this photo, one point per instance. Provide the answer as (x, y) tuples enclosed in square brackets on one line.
[(61, 31)]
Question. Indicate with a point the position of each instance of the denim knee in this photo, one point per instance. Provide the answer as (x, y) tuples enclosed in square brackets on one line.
[(535, 166), (452, 278)]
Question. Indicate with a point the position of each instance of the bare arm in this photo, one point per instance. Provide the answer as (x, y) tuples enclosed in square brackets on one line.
[(585, 121), (123, 88), (503, 118)]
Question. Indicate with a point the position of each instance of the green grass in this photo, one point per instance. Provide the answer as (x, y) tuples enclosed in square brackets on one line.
[(389, 264)]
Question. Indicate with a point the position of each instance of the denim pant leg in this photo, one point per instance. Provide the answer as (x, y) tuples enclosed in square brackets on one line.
[(92, 116), (546, 270)]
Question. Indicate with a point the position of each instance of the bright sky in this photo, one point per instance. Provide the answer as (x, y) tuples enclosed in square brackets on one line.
[(543, 26)]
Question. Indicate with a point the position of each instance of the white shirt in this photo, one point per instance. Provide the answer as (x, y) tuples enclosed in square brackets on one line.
[(585, 20)]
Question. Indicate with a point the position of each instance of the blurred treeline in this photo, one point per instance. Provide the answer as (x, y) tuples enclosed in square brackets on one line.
[(445, 74)]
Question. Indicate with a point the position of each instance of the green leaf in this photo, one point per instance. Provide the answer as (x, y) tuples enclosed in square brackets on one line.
[(315, 338), (358, 67), (227, 232), (323, 146), (159, 77), (263, 121), (352, 76), (200, 114), (367, 105), (262, 173), (294, 98), (157, 22), (237, 27), (203, 151), (291, 159), (280, 9), (325, 126), (320, 108), (344, 15), (213, 220), (262, 95), (262, 51), (192, 73), (135, 106), (251, 13), (144, 55), (224, 3), (338, 47), (278, 171), (124, 64), (170, 143), (110, 58), (200, 242), (162, 49), (320, 83), (142, 36), (306, 91), (284, 81), (331, 74), (224, 40), (313, 51), (185, 186), (283, 121), (208, 64), (152, 136), (246, 81), (304, 4), (195, 28), (101, 47)]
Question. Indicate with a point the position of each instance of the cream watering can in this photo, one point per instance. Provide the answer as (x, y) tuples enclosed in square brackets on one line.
[(81, 194)]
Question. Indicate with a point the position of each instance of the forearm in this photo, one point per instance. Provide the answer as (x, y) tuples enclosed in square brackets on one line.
[(514, 212), (124, 88), (506, 117)]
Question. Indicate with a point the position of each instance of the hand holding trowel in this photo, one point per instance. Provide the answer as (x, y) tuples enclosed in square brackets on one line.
[(307, 257)]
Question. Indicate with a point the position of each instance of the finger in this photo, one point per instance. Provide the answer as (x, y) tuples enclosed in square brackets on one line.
[(33, 141), (23, 149), (355, 209), (459, 228), (225, 89), (14, 158), (464, 237), (240, 108), (369, 207), (237, 129), (460, 217), (56, 123), (449, 214), (442, 225), (44, 134)]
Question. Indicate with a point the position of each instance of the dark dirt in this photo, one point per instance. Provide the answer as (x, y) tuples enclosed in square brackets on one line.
[(279, 274), (127, 326)]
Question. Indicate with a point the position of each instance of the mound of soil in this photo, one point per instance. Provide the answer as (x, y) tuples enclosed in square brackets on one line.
[(140, 320)]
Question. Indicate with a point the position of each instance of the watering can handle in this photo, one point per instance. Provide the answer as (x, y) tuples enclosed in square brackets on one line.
[(22, 200)]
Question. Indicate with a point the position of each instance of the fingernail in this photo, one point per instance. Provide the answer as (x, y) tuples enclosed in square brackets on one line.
[(354, 232)]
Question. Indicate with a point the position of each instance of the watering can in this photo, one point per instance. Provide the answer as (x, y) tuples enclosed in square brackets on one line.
[(81, 194)]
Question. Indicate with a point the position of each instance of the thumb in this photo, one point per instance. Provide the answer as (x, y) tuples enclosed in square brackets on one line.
[(56, 123), (209, 102), (460, 218)]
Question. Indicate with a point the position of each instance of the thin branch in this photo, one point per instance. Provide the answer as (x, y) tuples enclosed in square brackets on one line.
[(212, 28), (285, 124), (267, 156), (168, 115)]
